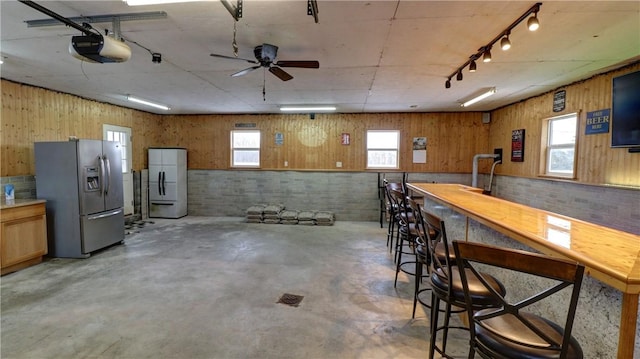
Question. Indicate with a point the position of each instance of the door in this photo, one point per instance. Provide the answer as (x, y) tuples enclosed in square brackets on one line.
[(90, 176), (113, 191), (155, 174), (122, 135)]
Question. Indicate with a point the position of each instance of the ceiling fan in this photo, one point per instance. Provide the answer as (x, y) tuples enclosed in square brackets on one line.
[(265, 57)]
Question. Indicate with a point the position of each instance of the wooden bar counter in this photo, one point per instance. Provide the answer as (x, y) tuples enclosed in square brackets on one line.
[(610, 256)]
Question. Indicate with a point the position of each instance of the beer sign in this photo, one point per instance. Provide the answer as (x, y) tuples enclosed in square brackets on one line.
[(598, 122)]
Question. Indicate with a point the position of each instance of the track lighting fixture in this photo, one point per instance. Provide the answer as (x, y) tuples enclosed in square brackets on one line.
[(156, 57), (505, 43), (533, 23), (486, 57)]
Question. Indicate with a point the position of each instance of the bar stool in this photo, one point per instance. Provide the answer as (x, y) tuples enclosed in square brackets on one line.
[(392, 209), (406, 234), (446, 285), (422, 255), (512, 330)]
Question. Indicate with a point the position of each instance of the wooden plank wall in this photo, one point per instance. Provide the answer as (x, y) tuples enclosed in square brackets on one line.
[(597, 162), (452, 139), (31, 114)]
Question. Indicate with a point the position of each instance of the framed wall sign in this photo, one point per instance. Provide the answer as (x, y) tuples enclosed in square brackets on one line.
[(345, 139), (517, 145), (559, 100), (598, 122)]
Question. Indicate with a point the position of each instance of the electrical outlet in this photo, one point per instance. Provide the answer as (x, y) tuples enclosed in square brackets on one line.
[(286, 163), (339, 164)]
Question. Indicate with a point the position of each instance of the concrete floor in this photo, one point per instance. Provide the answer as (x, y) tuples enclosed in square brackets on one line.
[(202, 287)]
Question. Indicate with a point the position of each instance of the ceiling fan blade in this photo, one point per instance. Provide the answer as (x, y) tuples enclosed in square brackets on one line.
[(303, 64), (245, 71), (280, 73), (234, 58)]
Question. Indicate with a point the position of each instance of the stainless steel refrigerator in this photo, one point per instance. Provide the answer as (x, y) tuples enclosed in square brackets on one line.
[(81, 180)]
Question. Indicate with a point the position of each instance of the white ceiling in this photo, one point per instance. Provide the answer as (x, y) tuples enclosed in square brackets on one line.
[(375, 56)]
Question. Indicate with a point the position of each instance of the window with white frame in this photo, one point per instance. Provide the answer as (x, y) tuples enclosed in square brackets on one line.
[(245, 148), (382, 149), (561, 146)]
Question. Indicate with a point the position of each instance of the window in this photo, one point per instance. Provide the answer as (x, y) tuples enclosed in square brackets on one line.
[(382, 149), (560, 146), (245, 148)]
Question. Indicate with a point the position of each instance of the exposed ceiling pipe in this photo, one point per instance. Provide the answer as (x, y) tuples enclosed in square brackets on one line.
[(60, 18)]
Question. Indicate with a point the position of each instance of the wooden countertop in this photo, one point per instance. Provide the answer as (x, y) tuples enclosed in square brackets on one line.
[(20, 203), (609, 255)]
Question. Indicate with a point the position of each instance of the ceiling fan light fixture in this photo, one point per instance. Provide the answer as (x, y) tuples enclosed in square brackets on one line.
[(505, 43), (473, 66), (533, 24), (147, 103), (306, 108)]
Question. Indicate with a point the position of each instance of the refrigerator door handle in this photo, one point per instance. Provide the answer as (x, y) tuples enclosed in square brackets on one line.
[(164, 189), (105, 215), (160, 183), (102, 174), (108, 165)]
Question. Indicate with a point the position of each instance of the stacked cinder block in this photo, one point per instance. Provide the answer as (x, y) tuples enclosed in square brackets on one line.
[(276, 213)]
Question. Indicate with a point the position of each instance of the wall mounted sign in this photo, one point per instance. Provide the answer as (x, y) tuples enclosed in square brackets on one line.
[(419, 150), (245, 125), (279, 138), (345, 139), (559, 100), (598, 122), (517, 145)]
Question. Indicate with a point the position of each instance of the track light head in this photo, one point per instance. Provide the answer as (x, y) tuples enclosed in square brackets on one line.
[(459, 76), (487, 55), (473, 66), (505, 43), (533, 23), (156, 57), (447, 83)]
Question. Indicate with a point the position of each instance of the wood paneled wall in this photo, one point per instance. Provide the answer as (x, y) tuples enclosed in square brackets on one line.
[(31, 114), (452, 139), (597, 162)]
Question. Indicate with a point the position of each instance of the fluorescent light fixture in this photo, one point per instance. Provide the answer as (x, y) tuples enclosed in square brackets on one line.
[(153, 2), (307, 108), (148, 103), (482, 94)]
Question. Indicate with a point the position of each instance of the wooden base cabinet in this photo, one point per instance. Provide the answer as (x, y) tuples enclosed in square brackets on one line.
[(23, 235)]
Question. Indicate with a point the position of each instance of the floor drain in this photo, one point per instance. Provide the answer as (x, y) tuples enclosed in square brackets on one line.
[(291, 299)]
